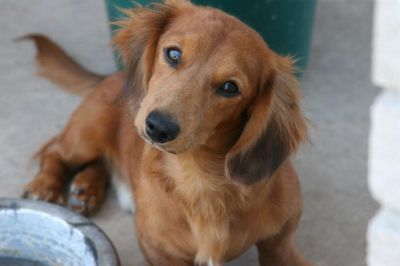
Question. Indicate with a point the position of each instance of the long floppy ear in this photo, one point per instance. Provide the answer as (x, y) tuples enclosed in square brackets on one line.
[(274, 129), (137, 43)]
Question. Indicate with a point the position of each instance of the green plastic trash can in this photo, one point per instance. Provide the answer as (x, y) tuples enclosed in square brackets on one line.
[(286, 25)]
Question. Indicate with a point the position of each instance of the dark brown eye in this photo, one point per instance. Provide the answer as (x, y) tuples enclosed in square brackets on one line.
[(173, 56), (228, 89)]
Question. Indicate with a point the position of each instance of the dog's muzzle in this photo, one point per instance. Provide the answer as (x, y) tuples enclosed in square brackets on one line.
[(160, 128)]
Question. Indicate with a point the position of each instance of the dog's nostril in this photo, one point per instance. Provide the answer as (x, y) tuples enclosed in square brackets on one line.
[(161, 128), (150, 126), (163, 136)]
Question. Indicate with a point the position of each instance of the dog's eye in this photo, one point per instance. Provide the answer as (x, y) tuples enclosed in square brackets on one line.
[(228, 89), (173, 55)]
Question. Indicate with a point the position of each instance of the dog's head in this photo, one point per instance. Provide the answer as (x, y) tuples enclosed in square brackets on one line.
[(202, 74)]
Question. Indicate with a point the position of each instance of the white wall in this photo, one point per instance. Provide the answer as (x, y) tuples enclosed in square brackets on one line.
[(384, 146)]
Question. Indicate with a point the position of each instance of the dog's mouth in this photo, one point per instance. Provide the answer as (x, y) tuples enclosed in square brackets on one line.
[(160, 146)]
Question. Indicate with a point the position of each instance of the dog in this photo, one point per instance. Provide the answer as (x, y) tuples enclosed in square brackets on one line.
[(198, 131)]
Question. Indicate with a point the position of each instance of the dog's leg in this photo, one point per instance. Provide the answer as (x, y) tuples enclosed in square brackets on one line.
[(49, 183), (279, 250), (57, 165), (71, 153), (88, 188), (59, 159), (88, 137)]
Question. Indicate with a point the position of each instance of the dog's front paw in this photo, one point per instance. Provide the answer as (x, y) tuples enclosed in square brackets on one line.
[(86, 194), (45, 188)]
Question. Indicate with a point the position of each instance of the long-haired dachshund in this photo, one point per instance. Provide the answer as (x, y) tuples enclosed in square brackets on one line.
[(199, 128)]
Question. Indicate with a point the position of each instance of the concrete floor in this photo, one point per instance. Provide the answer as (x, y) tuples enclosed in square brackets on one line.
[(337, 95)]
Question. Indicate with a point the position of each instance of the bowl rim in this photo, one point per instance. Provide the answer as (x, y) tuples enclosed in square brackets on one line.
[(99, 242)]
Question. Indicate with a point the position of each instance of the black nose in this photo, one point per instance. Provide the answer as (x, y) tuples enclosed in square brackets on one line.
[(160, 128)]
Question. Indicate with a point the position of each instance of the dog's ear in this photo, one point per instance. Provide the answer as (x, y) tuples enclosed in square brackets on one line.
[(274, 129), (137, 41)]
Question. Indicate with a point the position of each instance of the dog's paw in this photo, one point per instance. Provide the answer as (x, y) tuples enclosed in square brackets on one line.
[(86, 194), (44, 188)]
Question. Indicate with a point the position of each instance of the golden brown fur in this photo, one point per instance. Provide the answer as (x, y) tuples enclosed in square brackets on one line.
[(226, 182)]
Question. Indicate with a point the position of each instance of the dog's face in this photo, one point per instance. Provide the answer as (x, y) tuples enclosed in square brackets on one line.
[(205, 72), (197, 71)]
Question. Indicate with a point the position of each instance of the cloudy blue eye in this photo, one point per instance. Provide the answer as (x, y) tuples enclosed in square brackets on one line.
[(173, 56), (228, 89)]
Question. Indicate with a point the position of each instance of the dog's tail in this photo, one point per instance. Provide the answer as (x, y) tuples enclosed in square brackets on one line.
[(57, 66)]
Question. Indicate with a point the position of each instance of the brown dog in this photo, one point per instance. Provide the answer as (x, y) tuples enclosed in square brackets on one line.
[(199, 128)]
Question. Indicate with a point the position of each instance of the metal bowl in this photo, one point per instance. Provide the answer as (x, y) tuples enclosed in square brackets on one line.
[(39, 233)]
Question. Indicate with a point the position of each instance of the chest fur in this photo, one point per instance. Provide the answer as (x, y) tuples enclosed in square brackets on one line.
[(215, 208), (200, 215)]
